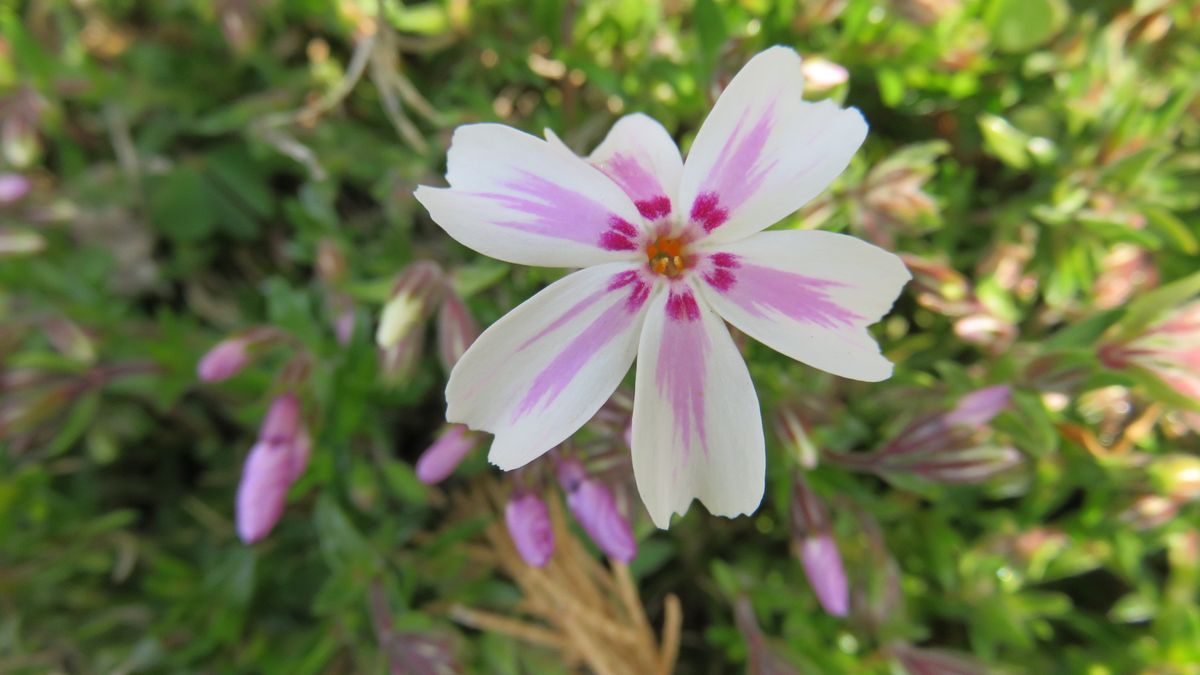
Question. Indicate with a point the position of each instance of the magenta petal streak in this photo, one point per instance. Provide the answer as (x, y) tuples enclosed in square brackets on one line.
[(563, 367), (551, 210), (760, 290), (737, 173), (681, 368), (640, 183)]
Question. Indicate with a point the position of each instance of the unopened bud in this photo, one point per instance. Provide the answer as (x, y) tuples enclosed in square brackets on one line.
[(446, 453), (19, 142), (790, 429), (274, 463), (823, 566), (595, 508), (229, 356), (1149, 511), (821, 74), (1176, 476), (979, 407), (19, 242), (397, 362), (812, 540), (529, 527), (415, 291), (224, 360), (69, 339), (13, 186), (331, 262)]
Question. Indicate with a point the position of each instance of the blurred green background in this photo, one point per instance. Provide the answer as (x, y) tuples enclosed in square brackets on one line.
[(177, 171)]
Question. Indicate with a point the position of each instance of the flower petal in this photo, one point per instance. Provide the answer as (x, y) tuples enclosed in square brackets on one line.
[(808, 294), (763, 152), (518, 198), (641, 157), (697, 432), (538, 374)]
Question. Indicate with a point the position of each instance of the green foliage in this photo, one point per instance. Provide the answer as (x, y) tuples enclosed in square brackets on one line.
[(202, 168)]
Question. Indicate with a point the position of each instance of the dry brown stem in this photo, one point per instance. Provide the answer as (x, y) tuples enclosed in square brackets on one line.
[(588, 612)]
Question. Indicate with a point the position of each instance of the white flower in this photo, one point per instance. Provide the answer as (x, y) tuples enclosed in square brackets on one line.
[(669, 249)]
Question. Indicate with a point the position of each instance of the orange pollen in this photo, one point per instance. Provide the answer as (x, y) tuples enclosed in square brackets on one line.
[(666, 256)]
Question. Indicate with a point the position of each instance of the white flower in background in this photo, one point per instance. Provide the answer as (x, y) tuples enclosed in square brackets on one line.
[(670, 250)]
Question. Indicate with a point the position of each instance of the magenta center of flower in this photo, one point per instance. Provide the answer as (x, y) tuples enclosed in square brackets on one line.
[(667, 256)]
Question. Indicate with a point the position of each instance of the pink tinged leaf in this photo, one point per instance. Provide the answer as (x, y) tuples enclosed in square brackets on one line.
[(923, 661), (763, 152), (447, 452), (809, 515), (521, 199), (343, 326), (594, 507), (457, 329), (529, 527), (823, 567), (762, 658), (537, 375), (959, 465)]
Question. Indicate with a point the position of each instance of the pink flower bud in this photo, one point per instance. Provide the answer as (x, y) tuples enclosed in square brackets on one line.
[(529, 527), (596, 510), (571, 474), (978, 408), (823, 567), (274, 463), (456, 330), (13, 186), (447, 452), (224, 360)]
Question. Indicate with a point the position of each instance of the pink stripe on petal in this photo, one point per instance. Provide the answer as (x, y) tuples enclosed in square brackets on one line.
[(578, 307), (760, 290), (639, 183), (552, 210), (737, 173), (610, 324), (680, 372)]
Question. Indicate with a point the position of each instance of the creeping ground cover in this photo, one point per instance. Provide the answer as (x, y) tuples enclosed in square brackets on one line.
[(687, 336)]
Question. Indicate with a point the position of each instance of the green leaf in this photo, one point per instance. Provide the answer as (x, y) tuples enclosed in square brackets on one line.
[(1004, 141), (1021, 25), (1171, 228), (1146, 309), (180, 205)]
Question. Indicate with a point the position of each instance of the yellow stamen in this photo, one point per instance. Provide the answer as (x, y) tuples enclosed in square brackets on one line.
[(666, 257)]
